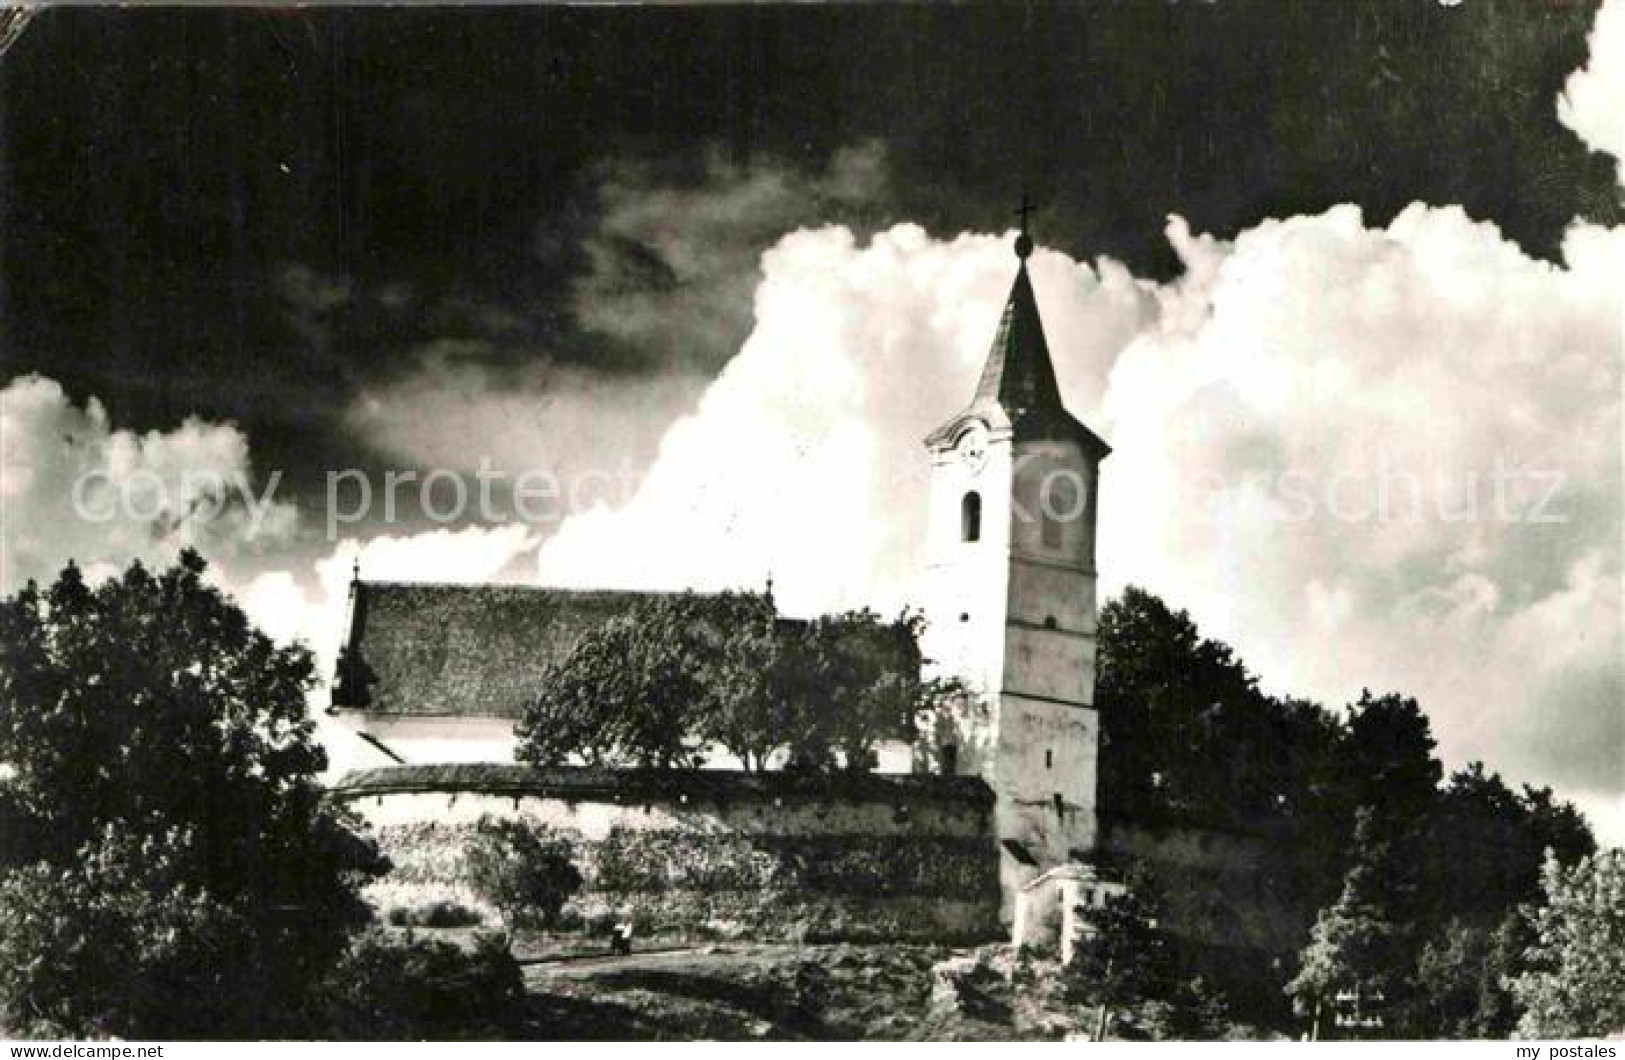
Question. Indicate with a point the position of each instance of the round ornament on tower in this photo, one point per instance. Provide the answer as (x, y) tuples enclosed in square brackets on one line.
[(972, 447)]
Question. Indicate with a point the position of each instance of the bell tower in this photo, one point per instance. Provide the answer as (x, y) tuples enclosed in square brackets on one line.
[(1010, 593)]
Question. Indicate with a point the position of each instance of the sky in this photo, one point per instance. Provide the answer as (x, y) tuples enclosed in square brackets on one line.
[(1341, 285)]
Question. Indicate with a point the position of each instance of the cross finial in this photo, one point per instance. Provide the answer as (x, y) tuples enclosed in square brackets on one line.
[(355, 568), (1024, 242)]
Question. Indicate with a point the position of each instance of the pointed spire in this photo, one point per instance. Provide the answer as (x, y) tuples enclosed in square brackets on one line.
[(1018, 390), (1019, 375)]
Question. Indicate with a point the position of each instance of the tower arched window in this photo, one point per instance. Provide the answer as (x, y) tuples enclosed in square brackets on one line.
[(970, 517)]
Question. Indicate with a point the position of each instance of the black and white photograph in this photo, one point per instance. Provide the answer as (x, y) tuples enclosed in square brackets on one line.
[(1094, 521)]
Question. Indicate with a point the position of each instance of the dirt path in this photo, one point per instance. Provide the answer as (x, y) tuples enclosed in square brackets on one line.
[(581, 963)]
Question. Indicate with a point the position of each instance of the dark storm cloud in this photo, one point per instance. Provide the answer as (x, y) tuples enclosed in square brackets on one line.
[(1576, 728), (258, 215), (672, 269)]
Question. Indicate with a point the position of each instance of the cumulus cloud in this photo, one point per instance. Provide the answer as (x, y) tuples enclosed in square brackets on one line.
[(146, 496), (1391, 457), (1593, 100), (585, 435), (74, 487), (1365, 456), (311, 610), (803, 458)]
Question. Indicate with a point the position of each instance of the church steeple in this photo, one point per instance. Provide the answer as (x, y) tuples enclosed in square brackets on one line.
[(1018, 392), (1009, 593), (1019, 376)]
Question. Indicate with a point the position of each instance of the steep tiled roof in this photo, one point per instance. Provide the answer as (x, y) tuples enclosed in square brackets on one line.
[(581, 783), (466, 650)]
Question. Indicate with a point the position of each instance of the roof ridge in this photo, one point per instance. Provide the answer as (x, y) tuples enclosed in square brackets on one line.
[(396, 583)]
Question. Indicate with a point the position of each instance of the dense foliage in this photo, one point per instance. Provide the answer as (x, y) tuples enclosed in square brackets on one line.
[(386, 989), (1357, 945), (525, 872), (1576, 985), (1186, 731), (1467, 972), (1121, 957), (1418, 882), (655, 686), (170, 866)]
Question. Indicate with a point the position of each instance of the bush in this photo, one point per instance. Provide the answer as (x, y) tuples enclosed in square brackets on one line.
[(436, 914), (424, 989), (445, 914), (105, 947), (526, 873)]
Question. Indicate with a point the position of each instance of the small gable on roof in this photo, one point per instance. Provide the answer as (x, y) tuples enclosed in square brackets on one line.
[(461, 650)]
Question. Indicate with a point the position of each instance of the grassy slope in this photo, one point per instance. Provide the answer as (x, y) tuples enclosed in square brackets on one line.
[(740, 992)]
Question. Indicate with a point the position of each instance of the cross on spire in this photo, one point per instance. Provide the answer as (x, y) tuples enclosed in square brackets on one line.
[(1025, 211), (1024, 242)]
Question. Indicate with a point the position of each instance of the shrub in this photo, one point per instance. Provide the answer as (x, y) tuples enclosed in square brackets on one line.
[(525, 873), (385, 990), (446, 914), (441, 913), (107, 946)]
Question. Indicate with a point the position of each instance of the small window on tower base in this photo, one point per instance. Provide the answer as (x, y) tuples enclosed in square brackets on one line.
[(970, 517)]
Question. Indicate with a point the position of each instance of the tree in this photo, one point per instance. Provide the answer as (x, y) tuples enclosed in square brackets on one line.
[(655, 686), (1185, 730), (1449, 978), (1121, 957), (1498, 1008), (160, 775), (1576, 987), (1485, 844), (1195, 1011), (1463, 980), (1389, 762), (526, 873), (1356, 945), (1556, 826), (633, 691), (860, 679), (755, 692)]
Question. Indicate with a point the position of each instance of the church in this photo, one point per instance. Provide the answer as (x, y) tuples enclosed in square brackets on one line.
[(433, 676)]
